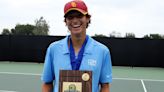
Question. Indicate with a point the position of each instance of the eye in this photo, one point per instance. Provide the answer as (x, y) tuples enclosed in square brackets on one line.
[(80, 16), (70, 17)]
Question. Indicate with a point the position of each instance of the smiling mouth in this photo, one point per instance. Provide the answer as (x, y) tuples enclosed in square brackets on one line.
[(76, 26)]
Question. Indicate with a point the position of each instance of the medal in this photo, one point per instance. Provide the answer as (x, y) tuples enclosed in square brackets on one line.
[(85, 77)]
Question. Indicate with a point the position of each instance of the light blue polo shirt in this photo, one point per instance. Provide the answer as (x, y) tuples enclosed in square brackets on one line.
[(96, 58)]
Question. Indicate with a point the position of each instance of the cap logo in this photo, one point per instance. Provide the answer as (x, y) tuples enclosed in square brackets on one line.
[(73, 4)]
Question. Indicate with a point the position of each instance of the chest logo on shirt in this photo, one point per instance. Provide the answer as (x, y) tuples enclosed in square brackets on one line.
[(92, 62)]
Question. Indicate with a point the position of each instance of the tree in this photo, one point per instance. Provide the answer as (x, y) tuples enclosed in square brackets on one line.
[(154, 36), (41, 27), (5, 31), (99, 35), (129, 35), (23, 29), (146, 37), (115, 34)]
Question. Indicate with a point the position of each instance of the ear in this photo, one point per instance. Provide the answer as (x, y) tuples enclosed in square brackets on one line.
[(65, 22), (88, 19)]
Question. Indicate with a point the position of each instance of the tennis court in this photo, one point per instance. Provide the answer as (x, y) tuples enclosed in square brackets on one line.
[(25, 77)]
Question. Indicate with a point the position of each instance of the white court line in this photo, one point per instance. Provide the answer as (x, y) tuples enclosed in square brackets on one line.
[(145, 90), (138, 79), (19, 73), (7, 91), (16, 73)]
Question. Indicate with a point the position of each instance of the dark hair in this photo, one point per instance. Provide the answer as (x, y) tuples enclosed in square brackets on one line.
[(88, 16)]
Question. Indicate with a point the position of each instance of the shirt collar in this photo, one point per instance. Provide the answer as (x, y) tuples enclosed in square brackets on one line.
[(64, 44), (88, 49), (89, 46)]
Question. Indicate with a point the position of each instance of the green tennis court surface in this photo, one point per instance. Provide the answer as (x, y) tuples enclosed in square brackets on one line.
[(25, 77)]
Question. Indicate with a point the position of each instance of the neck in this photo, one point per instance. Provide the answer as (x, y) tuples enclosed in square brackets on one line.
[(77, 42)]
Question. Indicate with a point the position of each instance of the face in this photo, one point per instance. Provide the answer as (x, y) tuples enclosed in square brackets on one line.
[(76, 22)]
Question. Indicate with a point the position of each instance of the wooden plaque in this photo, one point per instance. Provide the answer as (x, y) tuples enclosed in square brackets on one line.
[(75, 81)]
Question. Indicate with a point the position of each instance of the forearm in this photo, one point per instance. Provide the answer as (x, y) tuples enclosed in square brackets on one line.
[(105, 87), (47, 87)]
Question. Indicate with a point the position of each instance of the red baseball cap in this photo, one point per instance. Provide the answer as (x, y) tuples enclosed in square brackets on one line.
[(77, 5)]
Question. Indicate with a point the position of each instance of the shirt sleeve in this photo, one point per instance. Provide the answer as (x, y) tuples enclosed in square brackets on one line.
[(48, 69), (106, 69)]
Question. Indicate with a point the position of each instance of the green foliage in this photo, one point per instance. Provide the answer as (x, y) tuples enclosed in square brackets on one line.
[(146, 37), (99, 35), (115, 34), (41, 27), (5, 31), (23, 29), (154, 36), (129, 35)]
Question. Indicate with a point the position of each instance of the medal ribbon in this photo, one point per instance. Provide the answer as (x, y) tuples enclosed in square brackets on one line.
[(76, 62)]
